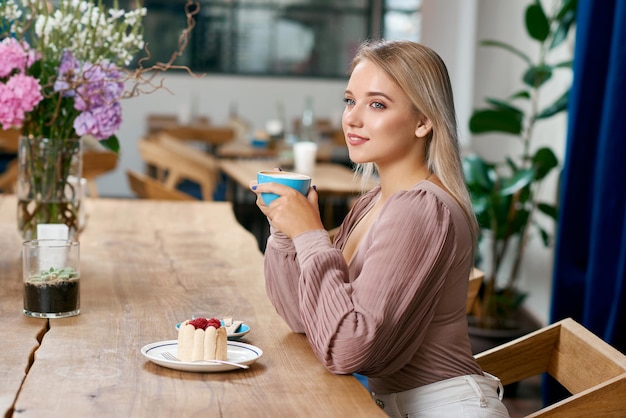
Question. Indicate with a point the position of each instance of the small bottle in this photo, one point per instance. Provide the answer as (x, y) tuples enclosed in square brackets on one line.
[(307, 121)]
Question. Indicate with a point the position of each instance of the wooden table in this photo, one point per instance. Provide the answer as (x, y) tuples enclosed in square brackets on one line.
[(327, 151), (146, 265), (200, 130)]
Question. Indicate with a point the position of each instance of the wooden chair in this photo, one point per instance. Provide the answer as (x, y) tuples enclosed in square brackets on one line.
[(475, 280), (9, 144), (9, 140), (175, 161), (589, 368), (146, 187), (8, 179), (96, 163)]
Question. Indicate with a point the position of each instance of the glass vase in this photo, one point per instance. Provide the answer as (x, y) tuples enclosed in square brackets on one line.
[(48, 184)]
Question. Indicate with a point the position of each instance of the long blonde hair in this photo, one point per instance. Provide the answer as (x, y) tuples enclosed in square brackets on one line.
[(422, 75)]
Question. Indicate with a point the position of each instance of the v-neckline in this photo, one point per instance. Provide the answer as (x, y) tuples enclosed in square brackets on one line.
[(358, 222)]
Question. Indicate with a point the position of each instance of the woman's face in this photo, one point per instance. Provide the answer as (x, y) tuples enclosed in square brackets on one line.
[(379, 121)]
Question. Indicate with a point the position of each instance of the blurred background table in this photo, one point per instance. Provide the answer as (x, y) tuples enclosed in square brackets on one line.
[(146, 265), (327, 151), (199, 129)]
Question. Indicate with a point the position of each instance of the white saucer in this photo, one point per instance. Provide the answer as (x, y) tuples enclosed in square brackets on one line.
[(237, 353)]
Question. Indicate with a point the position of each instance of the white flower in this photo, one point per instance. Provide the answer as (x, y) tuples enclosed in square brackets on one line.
[(116, 13)]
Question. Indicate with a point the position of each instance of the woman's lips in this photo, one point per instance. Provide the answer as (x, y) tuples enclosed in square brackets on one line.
[(354, 139)]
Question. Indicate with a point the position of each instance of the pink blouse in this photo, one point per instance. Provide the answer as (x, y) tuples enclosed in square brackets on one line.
[(396, 314)]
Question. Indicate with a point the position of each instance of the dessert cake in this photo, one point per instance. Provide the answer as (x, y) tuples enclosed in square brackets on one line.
[(202, 339)]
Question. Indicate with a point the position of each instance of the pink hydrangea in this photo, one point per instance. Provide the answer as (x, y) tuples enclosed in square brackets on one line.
[(16, 56), (19, 95)]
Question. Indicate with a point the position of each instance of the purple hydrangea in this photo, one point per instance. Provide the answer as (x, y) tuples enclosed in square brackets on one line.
[(100, 122), (96, 89), (102, 86), (68, 69)]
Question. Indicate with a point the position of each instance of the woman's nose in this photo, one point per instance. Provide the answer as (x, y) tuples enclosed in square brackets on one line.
[(352, 117)]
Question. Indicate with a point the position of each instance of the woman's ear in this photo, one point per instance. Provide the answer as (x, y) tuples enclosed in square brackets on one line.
[(423, 127)]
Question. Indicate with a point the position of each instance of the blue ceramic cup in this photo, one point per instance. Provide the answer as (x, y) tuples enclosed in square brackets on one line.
[(297, 181)]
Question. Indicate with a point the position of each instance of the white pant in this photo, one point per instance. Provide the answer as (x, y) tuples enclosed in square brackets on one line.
[(463, 396)]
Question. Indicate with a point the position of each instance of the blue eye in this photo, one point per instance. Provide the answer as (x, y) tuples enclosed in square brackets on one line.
[(348, 102), (378, 105)]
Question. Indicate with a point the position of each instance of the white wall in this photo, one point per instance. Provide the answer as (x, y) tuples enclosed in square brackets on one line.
[(449, 27)]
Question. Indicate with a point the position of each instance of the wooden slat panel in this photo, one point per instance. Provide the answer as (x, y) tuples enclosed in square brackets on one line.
[(582, 360), (524, 357), (607, 400)]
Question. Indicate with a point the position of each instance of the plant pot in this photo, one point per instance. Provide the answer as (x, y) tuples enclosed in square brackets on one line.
[(482, 339), (48, 184)]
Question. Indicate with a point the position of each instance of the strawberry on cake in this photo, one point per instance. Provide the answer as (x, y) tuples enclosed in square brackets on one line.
[(202, 339)]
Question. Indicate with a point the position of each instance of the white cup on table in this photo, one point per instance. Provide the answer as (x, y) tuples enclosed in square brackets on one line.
[(304, 157)]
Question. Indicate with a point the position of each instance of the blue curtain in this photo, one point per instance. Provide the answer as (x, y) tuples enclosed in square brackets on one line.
[(590, 259)]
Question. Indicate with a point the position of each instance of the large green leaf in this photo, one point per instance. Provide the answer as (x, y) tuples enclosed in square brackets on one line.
[(522, 94), (545, 236), (537, 75), (496, 120), (543, 162), (564, 64), (565, 18), (537, 23), (558, 106), (111, 143), (548, 209), (502, 105), (478, 174), (516, 182), (510, 48)]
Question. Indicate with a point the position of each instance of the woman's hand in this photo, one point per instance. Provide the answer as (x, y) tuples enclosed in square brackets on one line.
[(292, 213)]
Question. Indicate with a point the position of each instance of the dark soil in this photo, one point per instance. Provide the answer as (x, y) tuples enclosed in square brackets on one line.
[(51, 297)]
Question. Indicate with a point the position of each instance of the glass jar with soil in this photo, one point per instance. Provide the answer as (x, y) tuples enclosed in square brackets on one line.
[(51, 276)]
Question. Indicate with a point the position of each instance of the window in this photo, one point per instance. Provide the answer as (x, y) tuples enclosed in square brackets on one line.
[(314, 38)]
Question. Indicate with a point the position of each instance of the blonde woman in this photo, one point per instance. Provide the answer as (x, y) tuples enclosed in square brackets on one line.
[(386, 299)]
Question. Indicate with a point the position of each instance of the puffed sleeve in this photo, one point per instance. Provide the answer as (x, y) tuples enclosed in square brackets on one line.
[(282, 272), (375, 323)]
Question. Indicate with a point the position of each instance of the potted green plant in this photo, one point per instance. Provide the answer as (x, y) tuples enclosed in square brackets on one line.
[(505, 193)]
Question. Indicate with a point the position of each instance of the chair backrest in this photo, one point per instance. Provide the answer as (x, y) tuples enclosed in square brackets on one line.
[(475, 280), (146, 187), (589, 368), (176, 161), (96, 163), (9, 140), (8, 179)]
